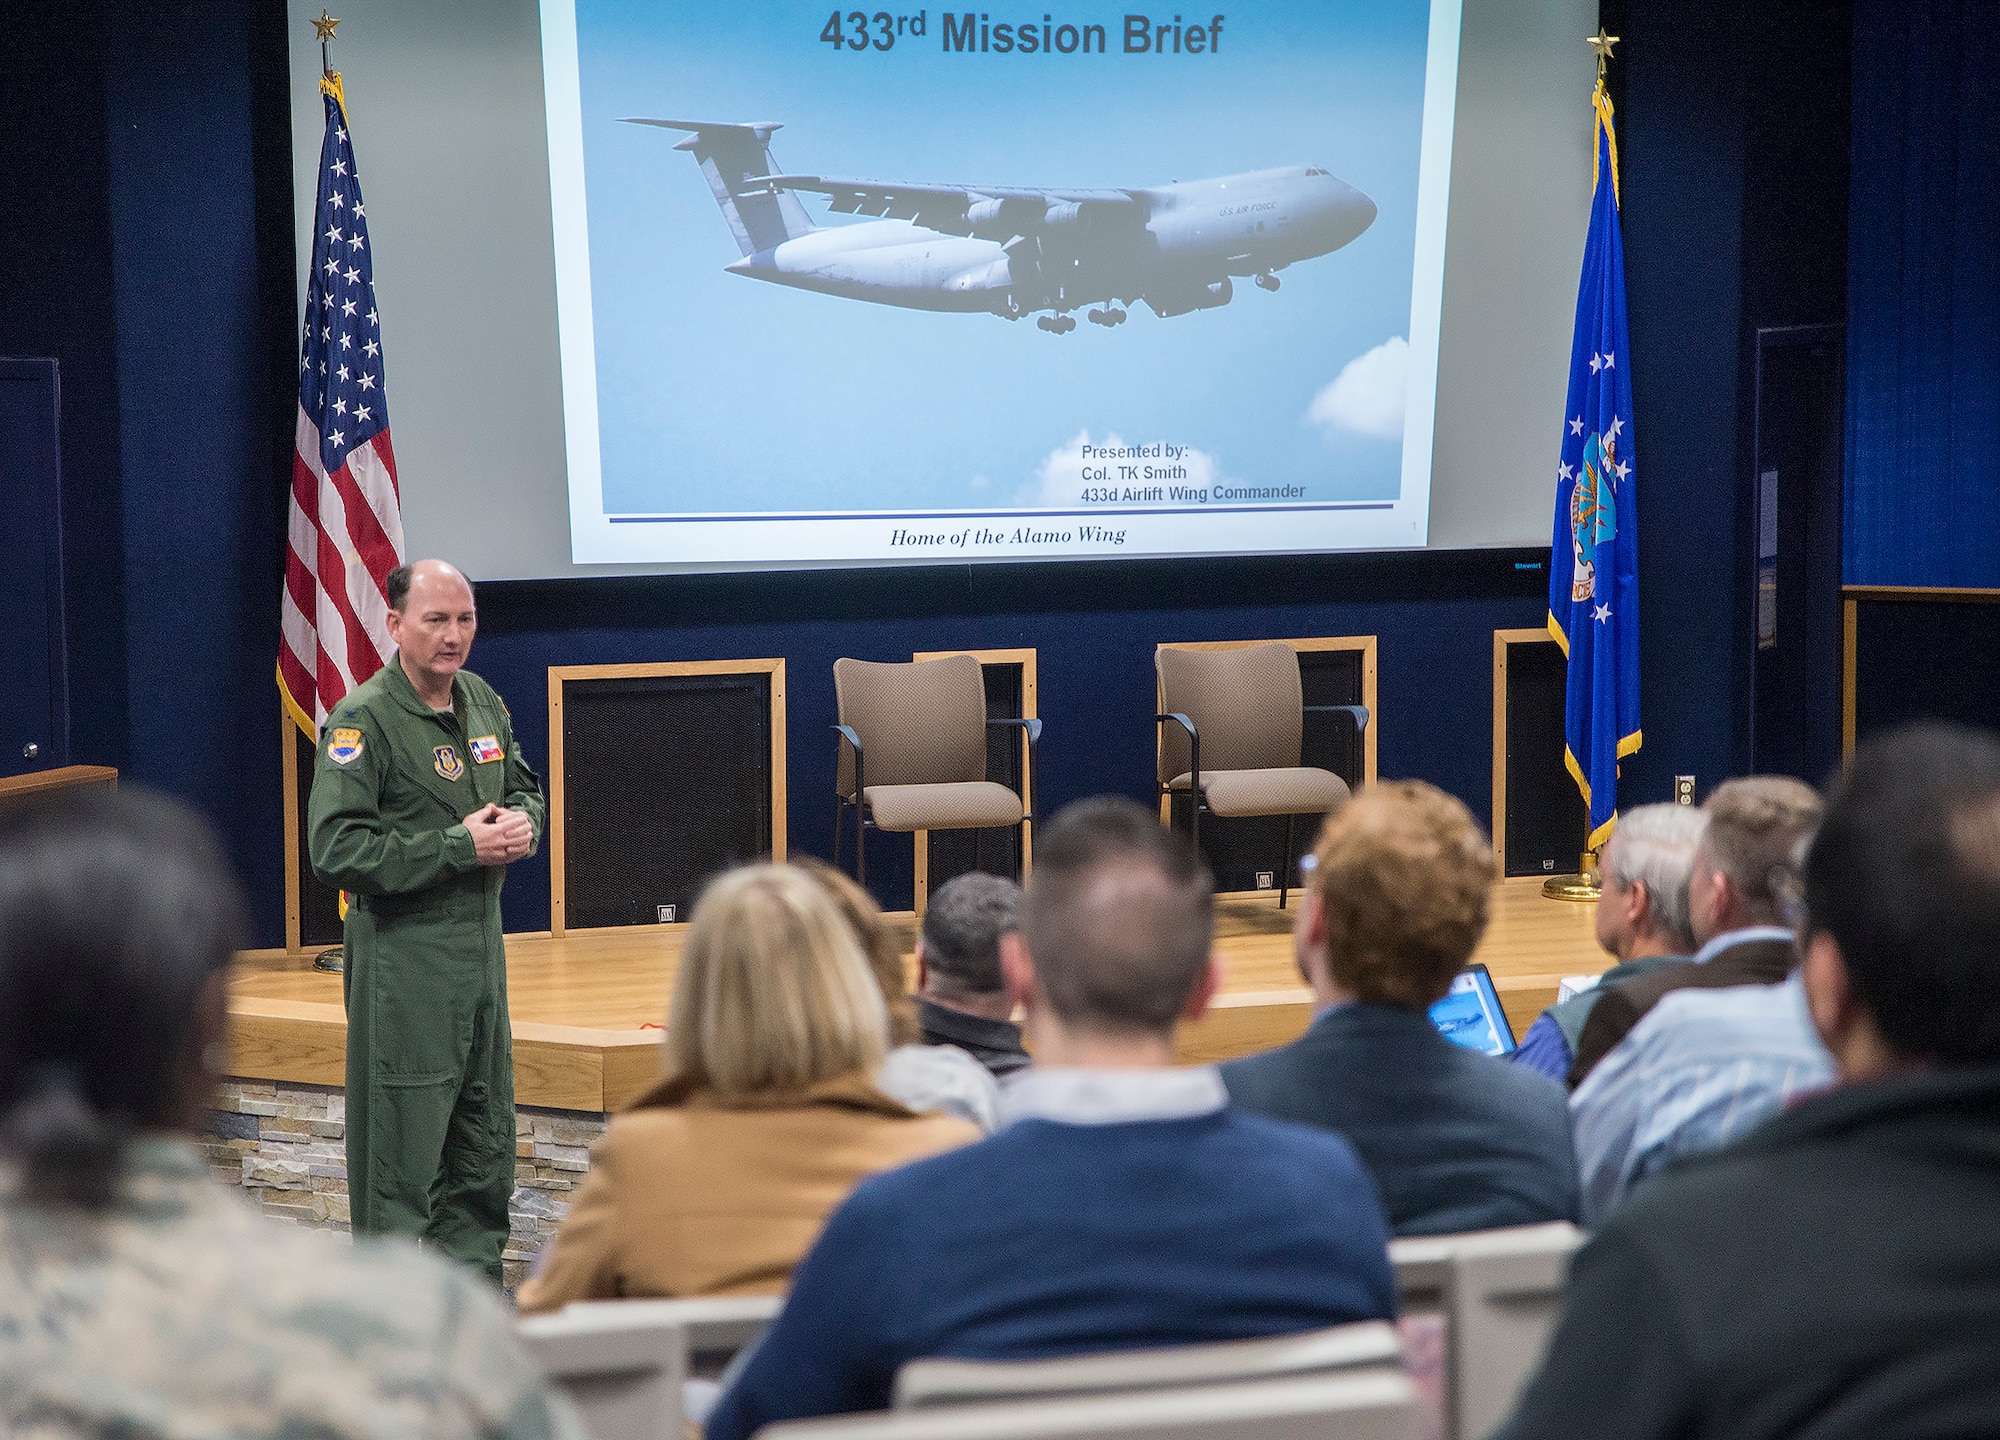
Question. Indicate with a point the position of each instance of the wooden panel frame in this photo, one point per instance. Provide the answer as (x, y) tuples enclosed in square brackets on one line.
[(1851, 597), (560, 675), (62, 777), (1025, 658), (1503, 640)]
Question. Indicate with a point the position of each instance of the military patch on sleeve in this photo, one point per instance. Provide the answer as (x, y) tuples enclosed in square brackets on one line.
[(343, 746), (486, 749), (448, 763)]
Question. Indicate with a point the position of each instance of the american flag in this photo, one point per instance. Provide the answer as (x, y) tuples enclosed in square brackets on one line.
[(346, 531)]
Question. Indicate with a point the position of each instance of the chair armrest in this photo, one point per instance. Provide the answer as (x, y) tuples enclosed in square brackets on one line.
[(1194, 751), (1026, 722), (848, 735), (1358, 712)]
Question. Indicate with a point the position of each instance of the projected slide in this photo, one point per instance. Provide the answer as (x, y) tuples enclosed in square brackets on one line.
[(923, 284)]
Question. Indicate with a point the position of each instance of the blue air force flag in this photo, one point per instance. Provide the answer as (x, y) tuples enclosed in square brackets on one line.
[(1594, 565)]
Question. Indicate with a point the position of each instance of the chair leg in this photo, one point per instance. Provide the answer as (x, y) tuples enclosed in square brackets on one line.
[(860, 847), (1285, 864), (839, 815), (977, 836)]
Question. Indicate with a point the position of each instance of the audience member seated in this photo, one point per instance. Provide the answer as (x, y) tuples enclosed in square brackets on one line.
[(1642, 922), (924, 1077), (137, 1296), (1753, 826), (1124, 1204), (1831, 1274), (1456, 1140), (719, 1178), (961, 998), (1703, 1067)]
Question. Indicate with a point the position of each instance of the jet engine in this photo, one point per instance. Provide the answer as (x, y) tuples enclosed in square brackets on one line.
[(998, 219), (1179, 301), (1062, 212)]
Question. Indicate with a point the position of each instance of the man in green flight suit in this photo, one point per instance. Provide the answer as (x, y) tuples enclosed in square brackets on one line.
[(420, 801)]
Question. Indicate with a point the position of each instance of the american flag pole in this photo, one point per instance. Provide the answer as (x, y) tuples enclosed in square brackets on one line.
[(345, 532)]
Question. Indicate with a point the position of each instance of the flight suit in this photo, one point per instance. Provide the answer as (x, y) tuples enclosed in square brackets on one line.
[(430, 1066)]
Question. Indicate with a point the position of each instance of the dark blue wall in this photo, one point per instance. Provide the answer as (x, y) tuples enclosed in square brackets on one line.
[(145, 234), (1093, 627), (1923, 480), (1734, 142)]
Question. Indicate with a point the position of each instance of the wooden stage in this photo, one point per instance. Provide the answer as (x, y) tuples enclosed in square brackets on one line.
[(587, 1008)]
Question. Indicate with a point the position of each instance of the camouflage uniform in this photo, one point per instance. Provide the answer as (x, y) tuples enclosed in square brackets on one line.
[(430, 1065), (180, 1312)]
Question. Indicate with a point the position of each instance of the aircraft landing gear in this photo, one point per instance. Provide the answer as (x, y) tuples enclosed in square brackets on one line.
[(1056, 324), (1107, 318), (1267, 281)]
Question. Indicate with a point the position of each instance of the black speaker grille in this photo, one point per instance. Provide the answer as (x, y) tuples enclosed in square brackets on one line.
[(1546, 822), (666, 782)]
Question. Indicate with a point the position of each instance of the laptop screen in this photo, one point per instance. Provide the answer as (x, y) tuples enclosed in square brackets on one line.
[(1470, 1014)]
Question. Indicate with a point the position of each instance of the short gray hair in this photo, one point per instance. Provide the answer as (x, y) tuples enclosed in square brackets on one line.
[(962, 928), (1654, 846)]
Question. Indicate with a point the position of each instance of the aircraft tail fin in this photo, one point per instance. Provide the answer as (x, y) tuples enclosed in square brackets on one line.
[(736, 159)]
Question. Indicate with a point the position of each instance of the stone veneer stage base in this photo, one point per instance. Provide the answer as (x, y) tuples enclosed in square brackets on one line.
[(284, 1144)]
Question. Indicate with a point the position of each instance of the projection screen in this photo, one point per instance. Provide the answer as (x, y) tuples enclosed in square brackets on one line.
[(698, 287)]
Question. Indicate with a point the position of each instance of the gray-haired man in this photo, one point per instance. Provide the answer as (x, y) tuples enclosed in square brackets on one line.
[(1642, 922), (961, 998)]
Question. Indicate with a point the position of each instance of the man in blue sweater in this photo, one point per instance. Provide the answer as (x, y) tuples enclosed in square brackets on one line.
[(1123, 1203)]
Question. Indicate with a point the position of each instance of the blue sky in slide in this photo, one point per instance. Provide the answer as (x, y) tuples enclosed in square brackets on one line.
[(719, 392)]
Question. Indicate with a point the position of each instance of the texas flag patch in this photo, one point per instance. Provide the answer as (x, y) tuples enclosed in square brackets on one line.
[(486, 749)]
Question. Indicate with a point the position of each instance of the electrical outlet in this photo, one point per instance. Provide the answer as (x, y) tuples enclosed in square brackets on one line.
[(1267, 880), (1549, 865), (666, 913), (1683, 789)]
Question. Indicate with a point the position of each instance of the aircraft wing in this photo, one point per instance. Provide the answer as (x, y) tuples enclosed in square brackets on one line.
[(988, 211)]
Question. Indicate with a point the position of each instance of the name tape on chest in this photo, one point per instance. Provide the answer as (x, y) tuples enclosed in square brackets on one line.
[(448, 763), (343, 747), (486, 749)]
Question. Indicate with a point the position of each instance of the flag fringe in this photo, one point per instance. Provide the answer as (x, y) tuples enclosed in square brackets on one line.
[(296, 710)]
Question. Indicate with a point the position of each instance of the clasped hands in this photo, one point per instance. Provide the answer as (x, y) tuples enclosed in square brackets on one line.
[(500, 837)]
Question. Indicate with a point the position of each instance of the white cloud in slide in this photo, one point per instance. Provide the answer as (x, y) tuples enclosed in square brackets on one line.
[(1367, 396), (1059, 482)]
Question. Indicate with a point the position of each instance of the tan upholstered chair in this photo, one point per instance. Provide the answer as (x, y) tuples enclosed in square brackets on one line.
[(912, 752), (1232, 726)]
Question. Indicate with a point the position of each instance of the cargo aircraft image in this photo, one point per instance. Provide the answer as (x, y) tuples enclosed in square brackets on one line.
[(1011, 252)]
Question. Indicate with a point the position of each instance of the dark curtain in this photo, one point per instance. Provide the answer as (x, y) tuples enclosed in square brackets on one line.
[(1923, 481)]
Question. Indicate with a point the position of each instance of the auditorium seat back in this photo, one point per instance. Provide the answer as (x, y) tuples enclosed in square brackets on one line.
[(1371, 1405), (923, 1383), (622, 1363), (1502, 1301), (622, 1367)]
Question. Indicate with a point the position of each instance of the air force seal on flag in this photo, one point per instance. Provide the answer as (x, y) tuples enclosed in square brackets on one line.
[(486, 749), (1593, 511), (343, 746), (448, 763)]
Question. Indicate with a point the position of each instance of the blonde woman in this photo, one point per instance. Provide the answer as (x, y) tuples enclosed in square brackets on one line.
[(718, 1179)]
